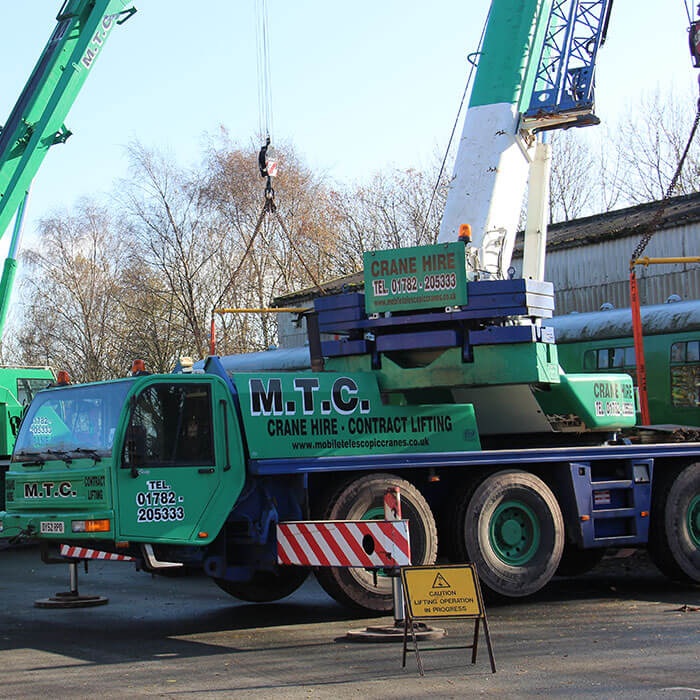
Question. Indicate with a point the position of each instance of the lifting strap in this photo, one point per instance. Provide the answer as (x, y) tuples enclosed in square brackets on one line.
[(268, 207)]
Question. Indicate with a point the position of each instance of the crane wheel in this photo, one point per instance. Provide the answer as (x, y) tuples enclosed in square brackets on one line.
[(674, 531), (266, 586), (362, 498), (512, 528)]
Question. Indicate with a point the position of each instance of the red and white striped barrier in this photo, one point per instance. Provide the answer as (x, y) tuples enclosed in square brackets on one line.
[(83, 553), (366, 543)]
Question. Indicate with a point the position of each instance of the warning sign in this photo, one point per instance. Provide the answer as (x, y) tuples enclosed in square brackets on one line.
[(440, 582), (442, 591)]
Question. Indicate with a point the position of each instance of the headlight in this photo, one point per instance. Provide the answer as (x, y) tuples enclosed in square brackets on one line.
[(91, 525)]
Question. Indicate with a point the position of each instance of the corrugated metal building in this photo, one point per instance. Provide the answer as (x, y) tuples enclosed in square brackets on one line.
[(587, 260)]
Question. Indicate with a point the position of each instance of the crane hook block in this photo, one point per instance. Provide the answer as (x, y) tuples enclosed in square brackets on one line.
[(268, 168), (262, 159), (694, 38)]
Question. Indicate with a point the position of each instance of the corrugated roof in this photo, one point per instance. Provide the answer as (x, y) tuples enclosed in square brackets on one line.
[(349, 283), (618, 223)]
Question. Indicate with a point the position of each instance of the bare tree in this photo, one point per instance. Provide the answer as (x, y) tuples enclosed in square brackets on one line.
[(610, 174), (151, 327), (574, 177), (169, 233), (71, 316), (392, 211), (649, 143), (253, 267)]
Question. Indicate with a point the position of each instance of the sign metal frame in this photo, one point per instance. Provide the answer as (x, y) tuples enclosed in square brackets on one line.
[(478, 615)]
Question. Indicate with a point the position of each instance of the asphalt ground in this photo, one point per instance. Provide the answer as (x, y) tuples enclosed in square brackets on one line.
[(621, 631)]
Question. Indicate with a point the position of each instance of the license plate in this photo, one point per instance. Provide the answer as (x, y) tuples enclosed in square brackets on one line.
[(51, 527)]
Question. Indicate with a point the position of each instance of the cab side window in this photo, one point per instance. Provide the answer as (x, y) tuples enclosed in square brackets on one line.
[(620, 359), (171, 425)]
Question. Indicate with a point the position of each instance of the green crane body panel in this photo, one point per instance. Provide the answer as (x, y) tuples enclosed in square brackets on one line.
[(18, 385), (334, 414), (598, 400), (510, 54), (518, 363), (672, 378), (37, 120), (76, 491), (183, 504)]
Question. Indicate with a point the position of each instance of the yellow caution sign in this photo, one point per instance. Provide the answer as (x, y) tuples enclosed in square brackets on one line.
[(442, 591)]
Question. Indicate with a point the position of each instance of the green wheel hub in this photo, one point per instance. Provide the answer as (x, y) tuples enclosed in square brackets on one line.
[(694, 520), (514, 533), (376, 513)]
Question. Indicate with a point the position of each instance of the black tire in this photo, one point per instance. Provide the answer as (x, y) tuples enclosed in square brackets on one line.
[(674, 539), (502, 573), (452, 520), (355, 587), (266, 586), (575, 561)]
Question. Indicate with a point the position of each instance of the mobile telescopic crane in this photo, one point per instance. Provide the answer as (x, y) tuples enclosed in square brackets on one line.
[(439, 379)]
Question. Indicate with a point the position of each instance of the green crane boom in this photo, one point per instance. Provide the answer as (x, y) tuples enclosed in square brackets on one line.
[(37, 120)]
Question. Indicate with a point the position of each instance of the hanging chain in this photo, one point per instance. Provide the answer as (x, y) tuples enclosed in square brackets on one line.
[(651, 227), (268, 207)]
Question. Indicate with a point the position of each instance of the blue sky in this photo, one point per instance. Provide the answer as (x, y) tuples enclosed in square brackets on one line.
[(357, 87)]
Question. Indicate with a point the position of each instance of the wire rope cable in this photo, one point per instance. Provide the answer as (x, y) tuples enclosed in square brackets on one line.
[(262, 41), (472, 67), (687, 11)]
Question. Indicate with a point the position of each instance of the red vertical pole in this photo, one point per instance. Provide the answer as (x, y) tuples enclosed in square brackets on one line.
[(392, 503), (392, 511), (639, 350), (212, 337)]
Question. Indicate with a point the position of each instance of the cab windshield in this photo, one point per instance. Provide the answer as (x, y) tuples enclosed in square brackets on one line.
[(72, 420)]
